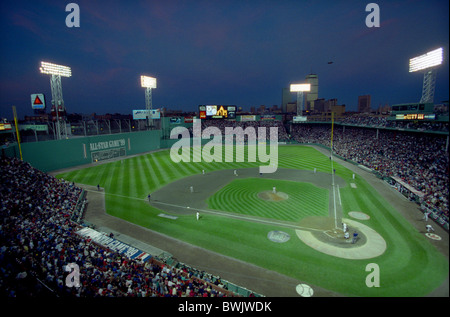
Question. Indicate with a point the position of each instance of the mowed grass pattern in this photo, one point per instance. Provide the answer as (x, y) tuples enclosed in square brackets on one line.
[(411, 266), (139, 175), (241, 196)]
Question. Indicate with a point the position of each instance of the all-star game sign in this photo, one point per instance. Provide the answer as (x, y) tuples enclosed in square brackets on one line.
[(37, 101)]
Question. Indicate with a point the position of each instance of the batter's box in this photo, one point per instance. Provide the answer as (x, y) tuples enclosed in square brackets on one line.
[(335, 233)]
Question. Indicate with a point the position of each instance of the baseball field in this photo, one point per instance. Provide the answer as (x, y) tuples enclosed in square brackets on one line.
[(289, 221)]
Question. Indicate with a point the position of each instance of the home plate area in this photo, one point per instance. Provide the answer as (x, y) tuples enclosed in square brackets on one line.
[(321, 236)]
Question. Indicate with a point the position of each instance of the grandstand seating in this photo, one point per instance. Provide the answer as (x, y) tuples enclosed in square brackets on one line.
[(418, 159), (38, 239)]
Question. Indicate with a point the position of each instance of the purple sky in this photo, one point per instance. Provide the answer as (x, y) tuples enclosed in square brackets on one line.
[(217, 52)]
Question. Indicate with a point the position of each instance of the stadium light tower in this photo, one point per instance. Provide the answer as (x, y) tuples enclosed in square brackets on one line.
[(300, 88), (428, 63), (148, 83), (56, 71)]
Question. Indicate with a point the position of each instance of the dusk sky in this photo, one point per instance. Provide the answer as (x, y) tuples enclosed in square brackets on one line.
[(217, 52)]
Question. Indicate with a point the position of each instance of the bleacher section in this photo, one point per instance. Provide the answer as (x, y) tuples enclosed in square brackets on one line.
[(40, 237)]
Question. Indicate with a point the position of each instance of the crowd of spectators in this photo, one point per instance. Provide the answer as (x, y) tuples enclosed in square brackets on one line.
[(383, 122), (418, 125), (267, 124), (38, 240), (361, 120), (418, 159)]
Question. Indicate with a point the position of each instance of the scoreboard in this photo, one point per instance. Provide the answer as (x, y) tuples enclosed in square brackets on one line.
[(413, 108), (5, 126), (216, 112), (415, 116), (414, 111)]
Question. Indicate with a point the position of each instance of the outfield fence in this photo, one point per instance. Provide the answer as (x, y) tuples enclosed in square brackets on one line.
[(54, 155)]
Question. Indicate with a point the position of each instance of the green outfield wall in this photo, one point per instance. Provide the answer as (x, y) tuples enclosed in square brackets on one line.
[(54, 155)]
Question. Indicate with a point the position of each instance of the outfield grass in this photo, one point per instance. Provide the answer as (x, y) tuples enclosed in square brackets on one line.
[(411, 266)]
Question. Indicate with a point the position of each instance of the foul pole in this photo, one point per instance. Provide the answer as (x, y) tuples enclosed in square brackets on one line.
[(333, 186), (17, 130), (332, 127)]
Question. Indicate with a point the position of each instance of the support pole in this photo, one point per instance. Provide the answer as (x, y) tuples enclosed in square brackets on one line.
[(429, 84), (148, 105), (299, 103)]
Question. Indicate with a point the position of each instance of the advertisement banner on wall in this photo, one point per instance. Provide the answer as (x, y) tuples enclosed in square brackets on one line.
[(268, 117), (299, 119), (143, 114), (248, 118)]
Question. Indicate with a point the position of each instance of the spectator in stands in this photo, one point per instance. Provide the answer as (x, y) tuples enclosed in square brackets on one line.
[(38, 239), (420, 160)]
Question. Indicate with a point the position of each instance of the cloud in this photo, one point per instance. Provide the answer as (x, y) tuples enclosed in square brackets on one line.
[(104, 78), (28, 21)]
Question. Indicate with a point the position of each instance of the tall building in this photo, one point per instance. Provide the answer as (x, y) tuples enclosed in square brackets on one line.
[(285, 99), (313, 94), (329, 104), (319, 105), (364, 103)]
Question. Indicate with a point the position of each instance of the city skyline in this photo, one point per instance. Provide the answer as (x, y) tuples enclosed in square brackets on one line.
[(227, 52)]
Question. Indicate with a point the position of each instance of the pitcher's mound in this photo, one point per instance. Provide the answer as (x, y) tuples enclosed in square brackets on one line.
[(271, 196)]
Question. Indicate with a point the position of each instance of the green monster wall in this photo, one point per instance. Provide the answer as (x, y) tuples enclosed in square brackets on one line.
[(54, 155)]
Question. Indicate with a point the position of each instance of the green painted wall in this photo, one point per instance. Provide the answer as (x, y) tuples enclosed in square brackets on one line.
[(53, 155)]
